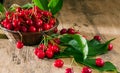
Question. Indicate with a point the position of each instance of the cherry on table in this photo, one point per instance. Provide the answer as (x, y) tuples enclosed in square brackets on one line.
[(99, 62), (69, 70), (110, 47), (58, 63), (86, 70), (40, 54), (97, 37), (63, 31), (71, 31), (49, 53), (19, 44)]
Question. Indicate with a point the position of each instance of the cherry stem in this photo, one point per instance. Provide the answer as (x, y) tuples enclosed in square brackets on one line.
[(20, 35)]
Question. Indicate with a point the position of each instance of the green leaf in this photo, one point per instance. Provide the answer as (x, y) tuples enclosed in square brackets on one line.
[(108, 66), (2, 10), (81, 44), (42, 4), (55, 6), (97, 48), (27, 6), (76, 46)]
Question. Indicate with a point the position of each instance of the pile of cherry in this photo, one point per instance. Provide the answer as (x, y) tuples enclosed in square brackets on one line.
[(28, 20), (49, 50)]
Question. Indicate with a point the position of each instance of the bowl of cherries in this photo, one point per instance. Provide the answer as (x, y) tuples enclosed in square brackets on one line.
[(28, 25)]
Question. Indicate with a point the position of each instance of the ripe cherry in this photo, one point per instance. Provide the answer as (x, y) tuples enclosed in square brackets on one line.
[(23, 29), (69, 70), (9, 26), (32, 29), (110, 46), (39, 23), (36, 51), (19, 45), (46, 26), (97, 37), (29, 21), (57, 40), (86, 70), (71, 31), (18, 9), (39, 29), (99, 62), (55, 49), (63, 31), (52, 21), (55, 30), (58, 63), (42, 47), (41, 54), (49, 53)]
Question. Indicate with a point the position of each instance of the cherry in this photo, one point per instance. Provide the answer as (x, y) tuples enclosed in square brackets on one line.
[(58, 63), (69, 70), (39, 29), (57, 40), (49, 53), (9, 26), (32, 29), (97, 37), (99, 62), (23, 29), (55, 30), (110, 47), (42, 47), (46, 13), (55, 49), (39, 23), (16, 23), (18, 9), (40, 54), (19, 45), (52, 21), (30, 22), (86, 70), (46, 26), (36, 51), (71, 31), (63, 31)]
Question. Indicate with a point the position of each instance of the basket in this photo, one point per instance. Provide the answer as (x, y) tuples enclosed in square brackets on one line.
[(29, 38)]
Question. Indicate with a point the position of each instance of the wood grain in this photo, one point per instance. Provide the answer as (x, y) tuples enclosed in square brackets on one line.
[(90, 17)]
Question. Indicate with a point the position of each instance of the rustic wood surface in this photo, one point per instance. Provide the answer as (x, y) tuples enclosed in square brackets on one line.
[(90, 17)]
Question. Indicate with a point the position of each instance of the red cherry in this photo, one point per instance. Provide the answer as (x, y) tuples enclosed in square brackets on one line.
[(52, 21), (19, 45), (110, 47), (86, 70), (39, 29), (16, 23), (9, 26), (41, 54), (46, 13), (57, 40), (18, 9), (23, 29), (36, 51), (69, 70), (32, 29), (58, 63), (30, 22), (99, 62), (42, 47), (46, 26), (39, 23), (97, 37), (55, 30), (55, 49), (71, 31), (49, 53), (63, 31)]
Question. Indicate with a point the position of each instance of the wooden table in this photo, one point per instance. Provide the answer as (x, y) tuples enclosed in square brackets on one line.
[(90, 17)]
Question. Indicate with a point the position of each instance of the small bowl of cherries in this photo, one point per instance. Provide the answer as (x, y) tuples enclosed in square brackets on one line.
[(28, 25)]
